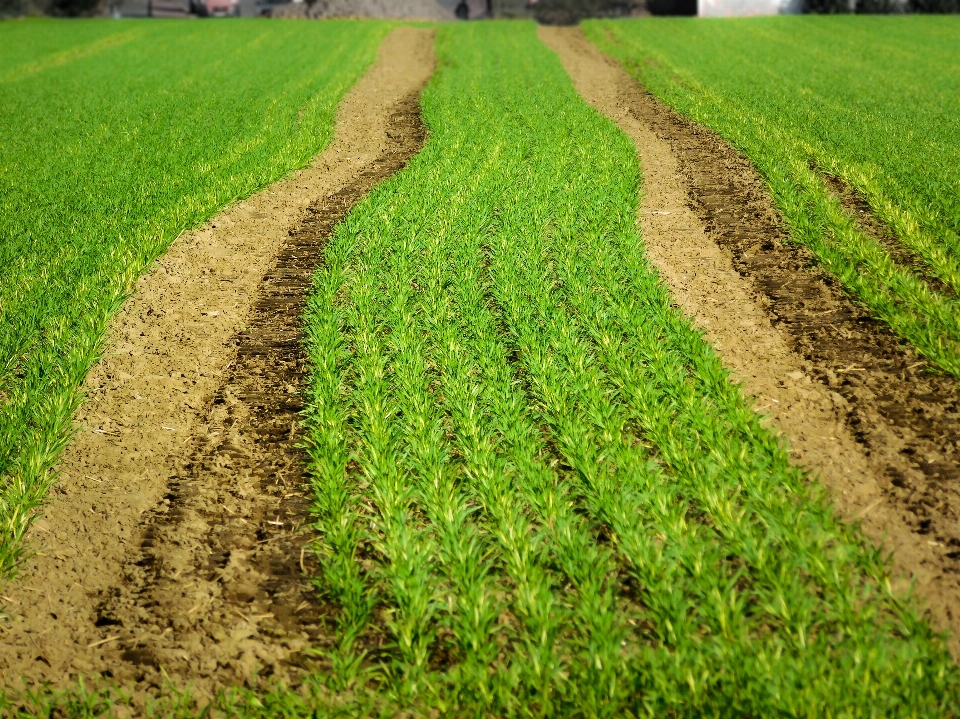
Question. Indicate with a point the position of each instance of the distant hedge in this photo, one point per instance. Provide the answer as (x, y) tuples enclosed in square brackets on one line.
[(829, 7)]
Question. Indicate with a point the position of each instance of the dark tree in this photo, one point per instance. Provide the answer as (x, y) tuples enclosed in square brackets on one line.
[(935, 6), (570, 12), (76, 8), (829, 7)]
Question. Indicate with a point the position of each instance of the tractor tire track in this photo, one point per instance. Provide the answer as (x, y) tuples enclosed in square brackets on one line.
[(862, 412), (171, 547)]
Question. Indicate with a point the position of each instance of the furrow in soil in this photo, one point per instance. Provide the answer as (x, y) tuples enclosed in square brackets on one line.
[(875, 422), (174, 545), (223, 563)]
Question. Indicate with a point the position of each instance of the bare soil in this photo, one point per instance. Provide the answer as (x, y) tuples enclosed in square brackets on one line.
[(875, 423), (171, 544)]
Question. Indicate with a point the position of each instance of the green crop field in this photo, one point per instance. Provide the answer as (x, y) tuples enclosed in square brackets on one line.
[(116, 136), (874, 101), (536, 489)]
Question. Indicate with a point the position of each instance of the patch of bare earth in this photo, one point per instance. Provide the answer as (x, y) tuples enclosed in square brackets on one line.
[(171, 543), (858, 409)]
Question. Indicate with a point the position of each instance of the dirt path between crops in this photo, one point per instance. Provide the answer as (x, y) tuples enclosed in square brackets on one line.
[(171, 541), (857, 409)]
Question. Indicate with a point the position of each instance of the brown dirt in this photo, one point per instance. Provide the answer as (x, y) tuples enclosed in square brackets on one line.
[(856, 408), (171, 541)]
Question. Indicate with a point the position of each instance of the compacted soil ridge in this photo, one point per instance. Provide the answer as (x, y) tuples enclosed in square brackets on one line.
[(868, 416), (222, 562), (172, 548)]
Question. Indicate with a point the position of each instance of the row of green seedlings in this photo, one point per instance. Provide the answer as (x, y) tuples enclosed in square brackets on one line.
[(537, 491), (792, 163)]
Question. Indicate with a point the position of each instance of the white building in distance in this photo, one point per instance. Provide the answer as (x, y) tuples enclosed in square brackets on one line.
[(746, 8)]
